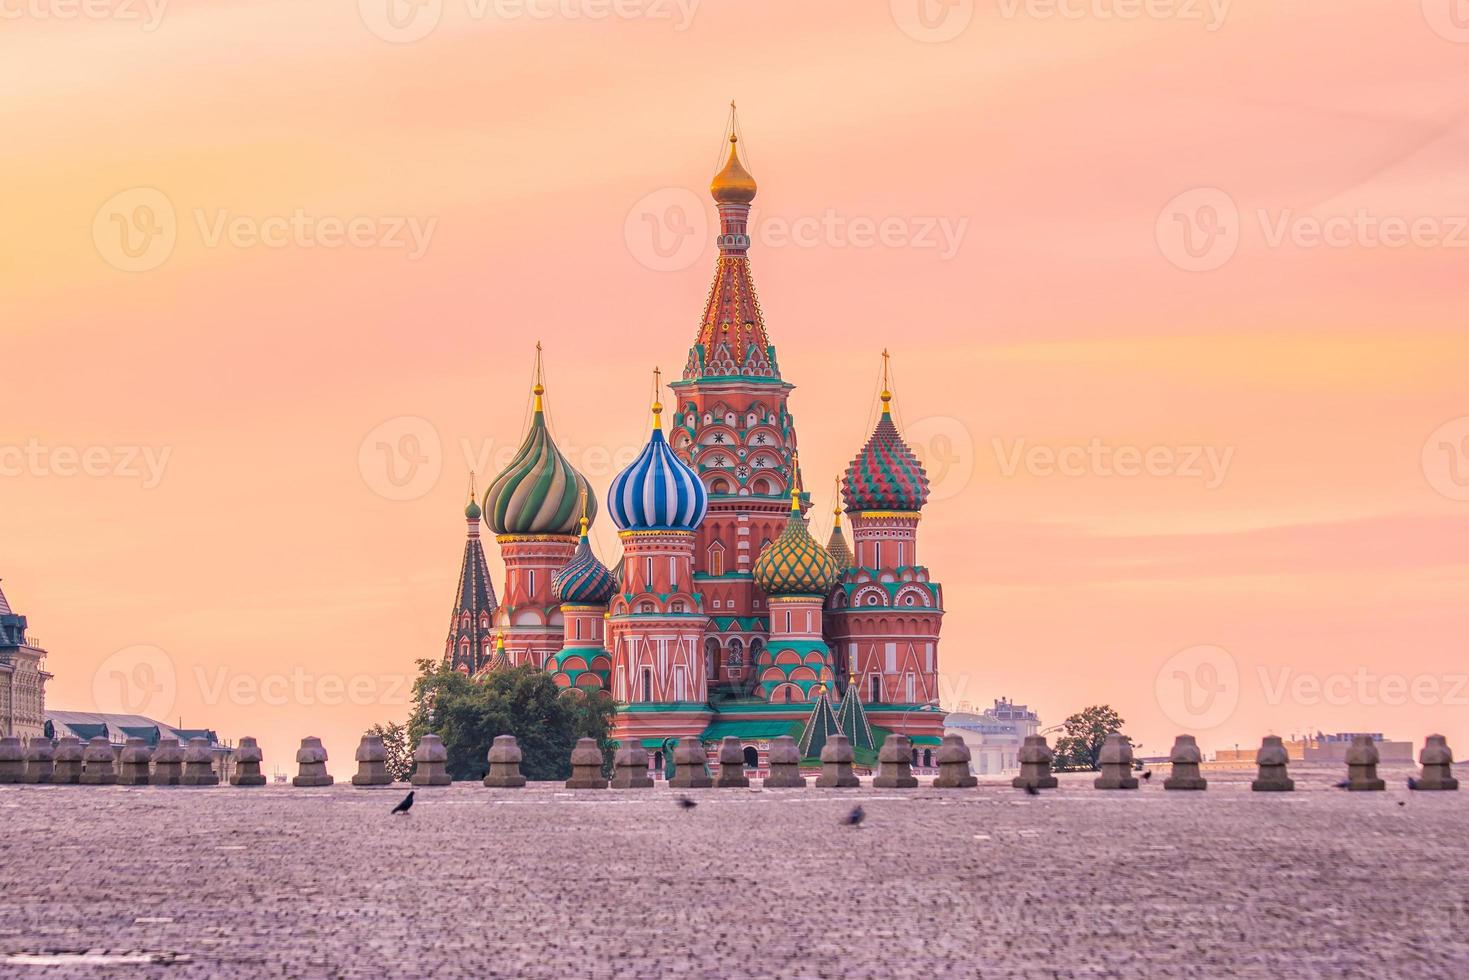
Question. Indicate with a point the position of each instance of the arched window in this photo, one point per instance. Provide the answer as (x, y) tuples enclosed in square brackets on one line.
[(927, 758), (647, 684), (711, 659), (716, 559), (737, 652), (876, 688)]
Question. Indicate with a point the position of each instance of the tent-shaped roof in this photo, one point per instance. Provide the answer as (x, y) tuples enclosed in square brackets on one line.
[(852, 720), (820, 726)]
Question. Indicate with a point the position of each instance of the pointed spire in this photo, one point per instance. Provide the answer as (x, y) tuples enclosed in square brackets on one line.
[(540, 385), (795, 484), (821, 725), (852, 719), (658, 399), (887, 393)]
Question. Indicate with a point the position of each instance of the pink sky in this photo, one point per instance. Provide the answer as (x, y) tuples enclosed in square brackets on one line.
[(266, 571)]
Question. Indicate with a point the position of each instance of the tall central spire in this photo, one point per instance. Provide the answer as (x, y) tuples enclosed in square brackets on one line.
[(732, 340)]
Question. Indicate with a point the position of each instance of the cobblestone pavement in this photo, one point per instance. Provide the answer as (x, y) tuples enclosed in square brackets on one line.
[(286, 882)]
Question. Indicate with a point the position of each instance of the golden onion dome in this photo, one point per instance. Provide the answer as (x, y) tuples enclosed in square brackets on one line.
[(733, 184), (794, 564)]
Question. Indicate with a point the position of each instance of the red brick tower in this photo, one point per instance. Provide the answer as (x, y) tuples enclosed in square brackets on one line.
[(731, 424)]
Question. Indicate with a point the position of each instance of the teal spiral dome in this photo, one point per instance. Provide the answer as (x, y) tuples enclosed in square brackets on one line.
[(583, 580), (540, 491)]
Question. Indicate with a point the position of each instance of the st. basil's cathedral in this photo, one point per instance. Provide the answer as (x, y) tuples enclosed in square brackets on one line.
[(724, 616)]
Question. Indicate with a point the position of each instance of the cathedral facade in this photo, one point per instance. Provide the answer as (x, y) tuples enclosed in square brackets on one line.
[(724, 615)]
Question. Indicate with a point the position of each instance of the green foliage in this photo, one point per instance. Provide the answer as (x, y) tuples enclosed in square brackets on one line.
[(400, 750), (1079, 748), (467, 714)]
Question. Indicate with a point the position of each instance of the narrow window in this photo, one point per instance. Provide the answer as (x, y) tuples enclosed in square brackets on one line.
[(647, 684)]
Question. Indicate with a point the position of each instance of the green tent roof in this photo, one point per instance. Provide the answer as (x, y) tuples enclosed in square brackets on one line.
[(763, 728), (820, 726)]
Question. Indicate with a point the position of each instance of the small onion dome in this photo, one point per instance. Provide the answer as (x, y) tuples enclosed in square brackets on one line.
[(733, 184), (794, 564), (658, 491), (472, 512), (539, 492), (583, 580), (499, 661), (836, 545), (886, 475)]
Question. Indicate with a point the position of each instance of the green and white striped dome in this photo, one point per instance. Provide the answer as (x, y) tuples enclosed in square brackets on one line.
[(540, 491)]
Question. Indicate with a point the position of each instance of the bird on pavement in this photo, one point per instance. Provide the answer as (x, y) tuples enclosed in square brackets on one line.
[(855, 818), (1031, 790), (406, 805), (1147, 774), (1344, 784), (1412, 783), (685, 803)]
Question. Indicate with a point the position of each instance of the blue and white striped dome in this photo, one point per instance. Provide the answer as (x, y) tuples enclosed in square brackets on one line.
[(658, 492)]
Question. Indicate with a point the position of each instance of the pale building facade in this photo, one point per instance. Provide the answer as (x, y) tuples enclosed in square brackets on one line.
[(22, 677)]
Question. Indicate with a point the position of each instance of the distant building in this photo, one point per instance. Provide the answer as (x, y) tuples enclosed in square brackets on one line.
[(117, 729), (1322, 747), (22, 680), (994, 736)]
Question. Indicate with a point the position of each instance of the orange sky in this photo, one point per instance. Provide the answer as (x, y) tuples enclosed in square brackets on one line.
[(1094, 242)]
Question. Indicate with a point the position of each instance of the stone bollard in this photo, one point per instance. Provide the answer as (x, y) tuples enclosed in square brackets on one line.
[(691, 771), (97, 763), (40, 758), (785, 765), (836, 764), (954, 765), (630, 767), (199, 764), (68, 760), (1035, 764), (430, 762), (1185, 758), (1272, 759), (1438, 765), (372, 762), (134, 763), (505, 756), (168, 763), (1362, 759), (247, 764), (731, 764), (586, 766), (1116, 762), (895, 764), (12, 760), (311, 763)]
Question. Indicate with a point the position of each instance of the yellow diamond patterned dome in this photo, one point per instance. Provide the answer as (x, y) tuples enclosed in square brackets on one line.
[(794, 564)]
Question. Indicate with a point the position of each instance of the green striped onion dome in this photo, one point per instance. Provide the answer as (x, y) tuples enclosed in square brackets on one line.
[(794, 564), (539, 492)]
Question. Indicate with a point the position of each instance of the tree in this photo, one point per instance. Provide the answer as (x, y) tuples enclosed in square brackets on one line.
[(400, 751), (1080, 747), (467, 713)]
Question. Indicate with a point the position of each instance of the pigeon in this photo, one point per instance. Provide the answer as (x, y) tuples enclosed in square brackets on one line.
[(406, 805), (1412, 783), (1344, 784), (1147, 774), (1031, 790), (685, 803), (855, 818), (1401, 803)]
